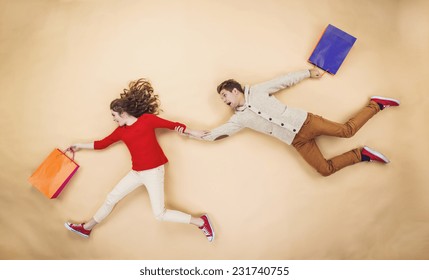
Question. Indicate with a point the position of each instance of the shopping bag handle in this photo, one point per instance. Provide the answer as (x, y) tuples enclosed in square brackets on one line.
[(70, 150)]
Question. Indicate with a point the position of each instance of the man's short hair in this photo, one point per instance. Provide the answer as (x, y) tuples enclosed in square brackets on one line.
[(229, 85)]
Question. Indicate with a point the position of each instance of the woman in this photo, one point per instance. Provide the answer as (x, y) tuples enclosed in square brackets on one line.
[(135, 112)]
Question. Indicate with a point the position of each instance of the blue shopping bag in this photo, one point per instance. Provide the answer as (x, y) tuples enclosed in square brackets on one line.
[(332, 49)]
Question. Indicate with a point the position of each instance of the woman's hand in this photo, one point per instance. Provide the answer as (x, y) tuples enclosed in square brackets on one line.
[(78, 147), (74, 148), (179, 129), (190, 132)]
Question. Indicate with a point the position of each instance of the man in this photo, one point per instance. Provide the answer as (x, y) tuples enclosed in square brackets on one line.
[(256, 108)]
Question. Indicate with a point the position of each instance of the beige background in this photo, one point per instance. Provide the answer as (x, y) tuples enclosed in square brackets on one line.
[(62, 62)]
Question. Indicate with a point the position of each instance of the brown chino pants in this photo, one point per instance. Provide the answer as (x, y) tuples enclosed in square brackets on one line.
[(305, 140)]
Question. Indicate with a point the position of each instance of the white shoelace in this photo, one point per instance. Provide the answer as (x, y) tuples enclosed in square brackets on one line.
[(206, 232)]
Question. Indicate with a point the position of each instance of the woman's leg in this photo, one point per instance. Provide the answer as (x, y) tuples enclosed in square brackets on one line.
[(127, 184), (154, 182), (153, 179)]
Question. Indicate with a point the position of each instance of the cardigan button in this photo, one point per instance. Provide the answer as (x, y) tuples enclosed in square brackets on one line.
[(282, 124), (270, 119), (250, 106), (259, 113), (294, 130)]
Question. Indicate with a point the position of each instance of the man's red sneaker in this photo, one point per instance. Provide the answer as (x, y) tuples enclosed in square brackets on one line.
[(369, 154), (78, 228), (384, 102), (207, 228)]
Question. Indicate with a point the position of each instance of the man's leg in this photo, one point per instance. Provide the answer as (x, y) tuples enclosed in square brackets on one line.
[(309, 150), (315, 126), (320, 126)]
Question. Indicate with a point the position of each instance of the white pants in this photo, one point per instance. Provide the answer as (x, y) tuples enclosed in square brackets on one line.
[(153, 179)]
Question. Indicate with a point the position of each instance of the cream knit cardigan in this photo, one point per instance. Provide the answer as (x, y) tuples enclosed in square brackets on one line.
[(265, 113)]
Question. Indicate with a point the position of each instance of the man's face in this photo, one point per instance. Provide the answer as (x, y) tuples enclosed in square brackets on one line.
[(230, 98)]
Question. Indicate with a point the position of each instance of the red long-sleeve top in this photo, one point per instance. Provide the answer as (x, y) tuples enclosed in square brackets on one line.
[(140, 138)]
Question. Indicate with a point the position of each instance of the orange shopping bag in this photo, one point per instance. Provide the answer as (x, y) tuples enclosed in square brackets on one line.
[(54, 173)]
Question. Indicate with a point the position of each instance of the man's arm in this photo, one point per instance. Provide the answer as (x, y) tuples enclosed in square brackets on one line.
[(222, 131), (286, 81), (218, 133)]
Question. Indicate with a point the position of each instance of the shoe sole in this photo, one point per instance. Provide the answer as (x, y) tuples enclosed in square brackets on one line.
[(210, 224), (379, 155), (386, 99), (75, 231)]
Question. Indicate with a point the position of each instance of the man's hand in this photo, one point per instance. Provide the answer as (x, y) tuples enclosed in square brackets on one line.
[(193, 133), (315, 73)]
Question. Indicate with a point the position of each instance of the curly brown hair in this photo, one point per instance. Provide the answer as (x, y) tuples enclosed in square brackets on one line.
[(137, 100)]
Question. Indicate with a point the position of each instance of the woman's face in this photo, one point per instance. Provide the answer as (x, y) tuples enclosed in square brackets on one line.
[(119, 118)]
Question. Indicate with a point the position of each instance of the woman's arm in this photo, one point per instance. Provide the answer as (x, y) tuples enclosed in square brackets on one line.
[(79, 146), (158, 122)]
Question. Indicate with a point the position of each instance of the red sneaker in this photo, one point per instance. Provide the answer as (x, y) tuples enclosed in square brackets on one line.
[(369, 154), (207, 228), (384, 102), (78, 228)]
